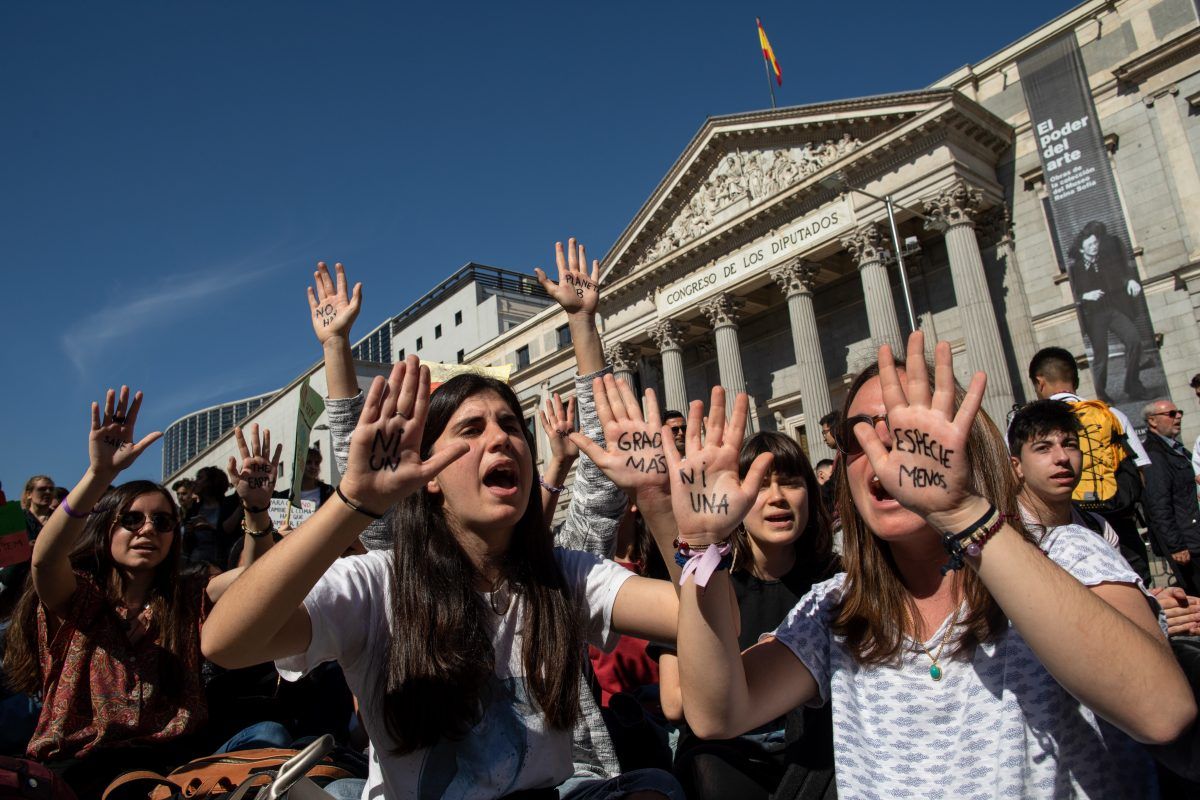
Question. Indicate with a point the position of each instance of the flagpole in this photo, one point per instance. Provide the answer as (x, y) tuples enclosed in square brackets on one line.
[(770, 84)]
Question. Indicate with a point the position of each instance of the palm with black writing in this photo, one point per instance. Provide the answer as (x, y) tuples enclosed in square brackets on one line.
[(708, 497), (926, 468), (577, 289), (633, 454), (385, 464), (254, 482), (110, 444), (559, 423), (333, 309)]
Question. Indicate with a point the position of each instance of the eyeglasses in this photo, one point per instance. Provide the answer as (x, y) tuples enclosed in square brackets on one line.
[(844, 436), (134, 520), (44, 489), (1176, 414)]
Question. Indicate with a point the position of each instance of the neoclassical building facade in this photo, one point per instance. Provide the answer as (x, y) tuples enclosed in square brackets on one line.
[(765, 261)]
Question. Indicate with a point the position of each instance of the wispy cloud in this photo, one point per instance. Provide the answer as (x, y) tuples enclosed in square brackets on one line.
[(125, 316)]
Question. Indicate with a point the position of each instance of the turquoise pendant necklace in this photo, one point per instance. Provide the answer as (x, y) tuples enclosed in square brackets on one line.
[(935, 669)]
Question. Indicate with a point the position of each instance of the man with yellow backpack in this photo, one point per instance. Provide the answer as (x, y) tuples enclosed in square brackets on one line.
[(1113, 456)]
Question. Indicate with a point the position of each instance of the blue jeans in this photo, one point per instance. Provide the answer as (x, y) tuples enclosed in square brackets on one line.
[(582, 787), (260, 734), (347, 788)]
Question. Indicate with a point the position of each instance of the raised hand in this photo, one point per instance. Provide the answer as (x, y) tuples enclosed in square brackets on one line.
[(110, 444), (333, 310), (558, 425), (634, 458), (925, 469), (577, 290), (385, 449), (255, 481), (708, 497)]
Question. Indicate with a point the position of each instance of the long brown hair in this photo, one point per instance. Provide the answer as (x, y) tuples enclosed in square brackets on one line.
[(27, 495), (174, 603), (441, 660), (814, 548), (876, 609)]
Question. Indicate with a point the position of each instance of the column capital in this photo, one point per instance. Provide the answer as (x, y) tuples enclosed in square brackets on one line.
[(868, 244), (667, 335), (994, 225), (957, 204), (722, 310), (796, 276), (623, 357)]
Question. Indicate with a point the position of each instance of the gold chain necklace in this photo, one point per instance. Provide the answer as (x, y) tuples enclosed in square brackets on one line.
[(935, 669)]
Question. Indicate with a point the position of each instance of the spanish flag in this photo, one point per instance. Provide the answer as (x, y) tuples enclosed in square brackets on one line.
[(768, 53)]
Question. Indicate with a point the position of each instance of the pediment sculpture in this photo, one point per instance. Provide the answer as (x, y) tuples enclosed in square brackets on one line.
[(741, 180)]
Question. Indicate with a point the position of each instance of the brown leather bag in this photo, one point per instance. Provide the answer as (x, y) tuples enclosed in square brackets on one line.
[(213, 776)]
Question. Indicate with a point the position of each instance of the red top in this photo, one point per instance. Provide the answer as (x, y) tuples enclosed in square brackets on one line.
[(626, 666), (101, 689)]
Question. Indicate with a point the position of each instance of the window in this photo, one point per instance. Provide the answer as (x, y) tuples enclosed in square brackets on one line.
[(458, 318), (437, 331), (564, 336), (420, 342), (400, 355), (523, 357), (461, 353)]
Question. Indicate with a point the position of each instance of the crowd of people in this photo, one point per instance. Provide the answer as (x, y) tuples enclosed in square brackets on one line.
[(954, 606)]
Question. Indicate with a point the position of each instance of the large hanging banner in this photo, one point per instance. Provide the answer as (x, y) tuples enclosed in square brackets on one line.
[(1089, 227)]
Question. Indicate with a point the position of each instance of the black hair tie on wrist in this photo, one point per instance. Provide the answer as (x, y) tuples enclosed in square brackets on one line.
[(355, 506), (254, 510)]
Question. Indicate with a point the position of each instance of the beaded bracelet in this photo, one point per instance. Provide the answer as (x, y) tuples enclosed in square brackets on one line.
[(970, 541), (702, 562), (257, 534), (549, 488), (355, 506)]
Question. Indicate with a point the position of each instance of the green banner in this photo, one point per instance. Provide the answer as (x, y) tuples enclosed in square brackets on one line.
[(311, 407)]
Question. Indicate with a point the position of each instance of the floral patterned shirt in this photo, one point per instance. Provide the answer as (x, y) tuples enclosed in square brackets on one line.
[(102, 690)]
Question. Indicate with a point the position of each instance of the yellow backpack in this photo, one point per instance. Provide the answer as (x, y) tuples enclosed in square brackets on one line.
[(1102, 440)]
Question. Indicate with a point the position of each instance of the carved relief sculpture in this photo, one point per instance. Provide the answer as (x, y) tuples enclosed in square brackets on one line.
[(755, 175)]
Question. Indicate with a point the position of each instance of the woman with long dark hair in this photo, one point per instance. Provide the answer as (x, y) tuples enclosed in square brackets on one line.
[(464, 645), (780, 549), (108, 631), (959, 658)]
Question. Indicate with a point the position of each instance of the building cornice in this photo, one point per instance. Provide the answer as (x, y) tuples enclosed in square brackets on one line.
[(1136, 69)]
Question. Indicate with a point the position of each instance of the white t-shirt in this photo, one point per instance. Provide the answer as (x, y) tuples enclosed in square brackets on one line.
[(511, 748), (1140, 457), (997, 726)]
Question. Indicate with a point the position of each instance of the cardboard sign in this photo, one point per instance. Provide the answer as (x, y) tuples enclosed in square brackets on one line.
[(311, 407), (279, 512), (15, 547), (440, 372)]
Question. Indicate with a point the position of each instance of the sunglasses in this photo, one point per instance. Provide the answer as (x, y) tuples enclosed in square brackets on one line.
[(843, 434), (1176, 414), (134, 520), (44, 489)]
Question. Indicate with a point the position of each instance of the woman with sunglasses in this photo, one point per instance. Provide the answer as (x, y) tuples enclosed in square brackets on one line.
[(959, 658), (37, 501), (108, 631)]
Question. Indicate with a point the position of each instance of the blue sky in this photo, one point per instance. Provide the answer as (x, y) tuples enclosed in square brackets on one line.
[(173, 170)]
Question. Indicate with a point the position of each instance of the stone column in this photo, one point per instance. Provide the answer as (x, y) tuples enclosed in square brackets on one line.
[(624, 363), (995, 227), (668, 338), (868, 247), (797, 278), (722, 314), (957, 207)]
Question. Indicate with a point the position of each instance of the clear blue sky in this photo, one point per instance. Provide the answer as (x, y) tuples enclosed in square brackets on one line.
[(172, 170)]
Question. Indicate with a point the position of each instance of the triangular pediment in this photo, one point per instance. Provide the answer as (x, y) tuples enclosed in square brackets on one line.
[(738, 163)]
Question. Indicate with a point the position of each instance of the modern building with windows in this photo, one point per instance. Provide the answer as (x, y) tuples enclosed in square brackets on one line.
[(189, 435), (765, 259)]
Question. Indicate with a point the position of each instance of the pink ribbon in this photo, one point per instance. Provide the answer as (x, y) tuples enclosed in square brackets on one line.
[(702, 564)]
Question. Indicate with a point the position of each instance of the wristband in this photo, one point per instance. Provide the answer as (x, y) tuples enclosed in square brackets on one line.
[(702, 563), (257, 534), (549, 488), (355, 506), (72, 513), (970, 542), (254, 510)]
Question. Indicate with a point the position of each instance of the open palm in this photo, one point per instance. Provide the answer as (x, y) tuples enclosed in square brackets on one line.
[(385, 464), (708, 497), (111, 447), (577, 290), (333, 309), (633, 457), (254, 482)]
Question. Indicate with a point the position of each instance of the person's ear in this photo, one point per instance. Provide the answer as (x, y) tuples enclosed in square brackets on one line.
[(433, 487), (1016, 465)]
